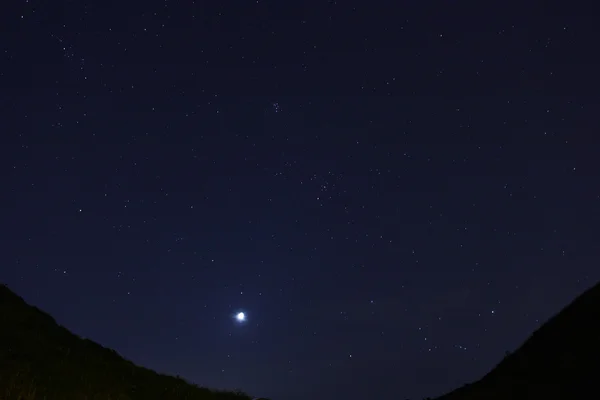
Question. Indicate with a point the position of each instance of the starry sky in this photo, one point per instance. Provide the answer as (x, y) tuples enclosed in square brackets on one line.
[(393, 193)]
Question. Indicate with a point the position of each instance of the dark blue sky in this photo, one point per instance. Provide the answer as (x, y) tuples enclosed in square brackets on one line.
[(395, 193)]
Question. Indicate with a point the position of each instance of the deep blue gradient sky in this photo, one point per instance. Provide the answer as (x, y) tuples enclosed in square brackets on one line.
[(395, 193)]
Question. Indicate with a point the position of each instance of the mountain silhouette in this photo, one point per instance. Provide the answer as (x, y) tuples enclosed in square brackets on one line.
[(40, 359), (560, 360)]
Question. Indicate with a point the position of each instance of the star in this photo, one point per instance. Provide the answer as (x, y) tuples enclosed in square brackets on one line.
[(240, 316)]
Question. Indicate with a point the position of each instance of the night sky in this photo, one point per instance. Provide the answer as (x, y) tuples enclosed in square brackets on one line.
[(394, 193)]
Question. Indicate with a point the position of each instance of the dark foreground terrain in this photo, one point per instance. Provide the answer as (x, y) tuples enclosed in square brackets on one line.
[(561, 360), (41, 360)]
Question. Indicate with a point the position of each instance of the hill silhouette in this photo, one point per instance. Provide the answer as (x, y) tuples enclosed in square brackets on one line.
[(40, 359), (561, 360)]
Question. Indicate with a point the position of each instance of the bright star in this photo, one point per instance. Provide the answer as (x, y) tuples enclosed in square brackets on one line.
[(240, 317)]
